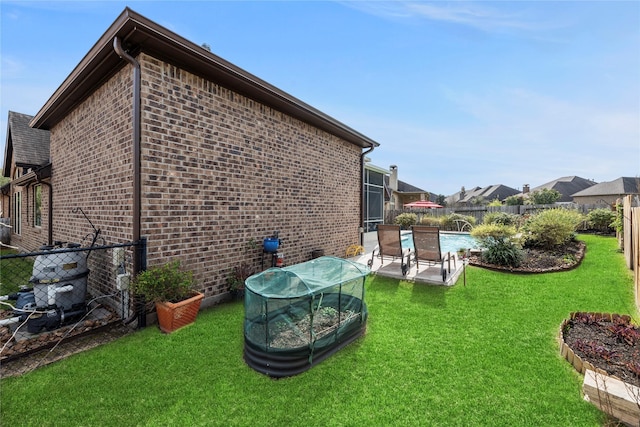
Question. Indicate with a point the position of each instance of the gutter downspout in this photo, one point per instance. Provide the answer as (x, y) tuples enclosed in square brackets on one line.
[(50, 213), (137, 192), (362, 190), (41, 175)]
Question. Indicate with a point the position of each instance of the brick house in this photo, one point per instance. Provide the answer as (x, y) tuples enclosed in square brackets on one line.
[(154, 136), (608, 192), (25, 200)]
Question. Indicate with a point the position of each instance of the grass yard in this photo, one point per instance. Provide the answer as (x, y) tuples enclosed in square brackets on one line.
[(484, 354)]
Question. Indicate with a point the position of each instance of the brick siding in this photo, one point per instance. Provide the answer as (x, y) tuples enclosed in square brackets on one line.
[(218, 171)]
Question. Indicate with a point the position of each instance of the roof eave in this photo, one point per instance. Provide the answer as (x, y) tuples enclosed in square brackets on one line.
[(140, 34)]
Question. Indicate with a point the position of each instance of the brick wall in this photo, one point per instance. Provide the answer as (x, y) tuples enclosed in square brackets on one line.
[(218, 171), (32, 236), (91, 165)]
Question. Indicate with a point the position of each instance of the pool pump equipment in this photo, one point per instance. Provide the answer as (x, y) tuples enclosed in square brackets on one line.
[(58, 290)]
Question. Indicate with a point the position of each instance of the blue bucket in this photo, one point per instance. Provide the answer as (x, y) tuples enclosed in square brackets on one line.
[(271, 244)]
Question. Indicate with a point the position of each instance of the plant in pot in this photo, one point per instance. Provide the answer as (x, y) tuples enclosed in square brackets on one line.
[(236, 279), (172, 292)]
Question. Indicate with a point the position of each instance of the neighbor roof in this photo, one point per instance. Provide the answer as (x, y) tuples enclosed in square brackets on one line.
[(138, 33), (618, 187), (488, 193), (25, 146), (566, 186)]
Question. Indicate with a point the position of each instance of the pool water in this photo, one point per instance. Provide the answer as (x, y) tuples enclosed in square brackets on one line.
[(449, 242)]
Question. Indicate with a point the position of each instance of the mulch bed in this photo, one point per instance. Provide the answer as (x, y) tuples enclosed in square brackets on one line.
[(538, 260)]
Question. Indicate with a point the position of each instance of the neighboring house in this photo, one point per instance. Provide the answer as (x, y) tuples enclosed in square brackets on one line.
[(154, 136), (385, 192), (480, 195), (566, 186), (26, 198), (400, 193), (608, 192)]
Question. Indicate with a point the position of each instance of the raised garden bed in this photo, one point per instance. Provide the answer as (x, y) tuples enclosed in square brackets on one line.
[(606, 349)]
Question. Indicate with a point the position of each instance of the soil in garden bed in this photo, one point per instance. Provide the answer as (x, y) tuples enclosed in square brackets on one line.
[(611, 346)]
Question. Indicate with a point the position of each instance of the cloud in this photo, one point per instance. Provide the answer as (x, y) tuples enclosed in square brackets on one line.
[(470, 14), (510, 136)]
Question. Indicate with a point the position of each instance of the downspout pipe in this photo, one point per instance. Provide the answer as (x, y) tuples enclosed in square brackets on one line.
[(50, 213), (137, 191), (362, 190), (41, 175)]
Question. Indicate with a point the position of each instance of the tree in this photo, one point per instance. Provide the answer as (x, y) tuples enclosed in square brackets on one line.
[(441, 200), (514, 201), (545, 196)]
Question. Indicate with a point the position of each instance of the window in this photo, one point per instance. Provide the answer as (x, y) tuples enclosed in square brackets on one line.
[(37, 205), (17, 213), (373, 199)]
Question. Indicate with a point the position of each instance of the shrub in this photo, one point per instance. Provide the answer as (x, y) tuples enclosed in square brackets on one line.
[(501, 246), (406, 220), (552, 227), (431, 221), (502, 218), (618, 223), (602, 219), (456, 222), (166, 282), (506, 253), (489, 233)]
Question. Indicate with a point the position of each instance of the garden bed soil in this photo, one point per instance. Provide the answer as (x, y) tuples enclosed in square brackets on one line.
[(609, 343), (538, 260)]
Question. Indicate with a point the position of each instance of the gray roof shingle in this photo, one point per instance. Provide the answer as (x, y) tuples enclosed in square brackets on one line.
[(617, 187), (567, 186), (29, 147)]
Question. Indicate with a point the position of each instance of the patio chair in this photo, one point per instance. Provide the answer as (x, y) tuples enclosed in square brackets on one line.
[(390, 246), (426, 247)]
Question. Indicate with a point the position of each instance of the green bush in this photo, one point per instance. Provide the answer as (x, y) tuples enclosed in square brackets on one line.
[(503, 218), (602, 219), (431, 221), (500, 244), (455, 222), (406, 220), (163, 283), (552, 227), (486, 234), (505, 253)]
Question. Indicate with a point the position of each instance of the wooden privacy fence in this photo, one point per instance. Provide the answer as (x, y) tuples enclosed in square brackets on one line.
[(478, 212), (631, 241)]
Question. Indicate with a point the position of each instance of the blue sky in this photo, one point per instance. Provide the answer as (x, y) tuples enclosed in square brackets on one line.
[(457, 93)]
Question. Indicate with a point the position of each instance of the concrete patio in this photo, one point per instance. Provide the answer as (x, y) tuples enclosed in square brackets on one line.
[(391, 268)]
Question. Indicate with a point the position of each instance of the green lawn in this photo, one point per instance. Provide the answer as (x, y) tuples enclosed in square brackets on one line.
[(481, 354)]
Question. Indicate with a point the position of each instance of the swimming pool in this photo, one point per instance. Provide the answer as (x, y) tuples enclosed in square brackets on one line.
[(449, 242)]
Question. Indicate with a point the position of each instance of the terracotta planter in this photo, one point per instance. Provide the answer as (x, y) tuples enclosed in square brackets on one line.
[(174, 316)]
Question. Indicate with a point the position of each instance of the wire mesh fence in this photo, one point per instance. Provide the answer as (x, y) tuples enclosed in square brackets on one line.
[(61, 300)]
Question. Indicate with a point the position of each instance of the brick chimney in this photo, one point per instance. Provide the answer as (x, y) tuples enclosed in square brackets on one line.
[(525, 188), (393, 178)]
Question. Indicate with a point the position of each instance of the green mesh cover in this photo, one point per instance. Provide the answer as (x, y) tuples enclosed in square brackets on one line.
[(304, 309), (308, 278)]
